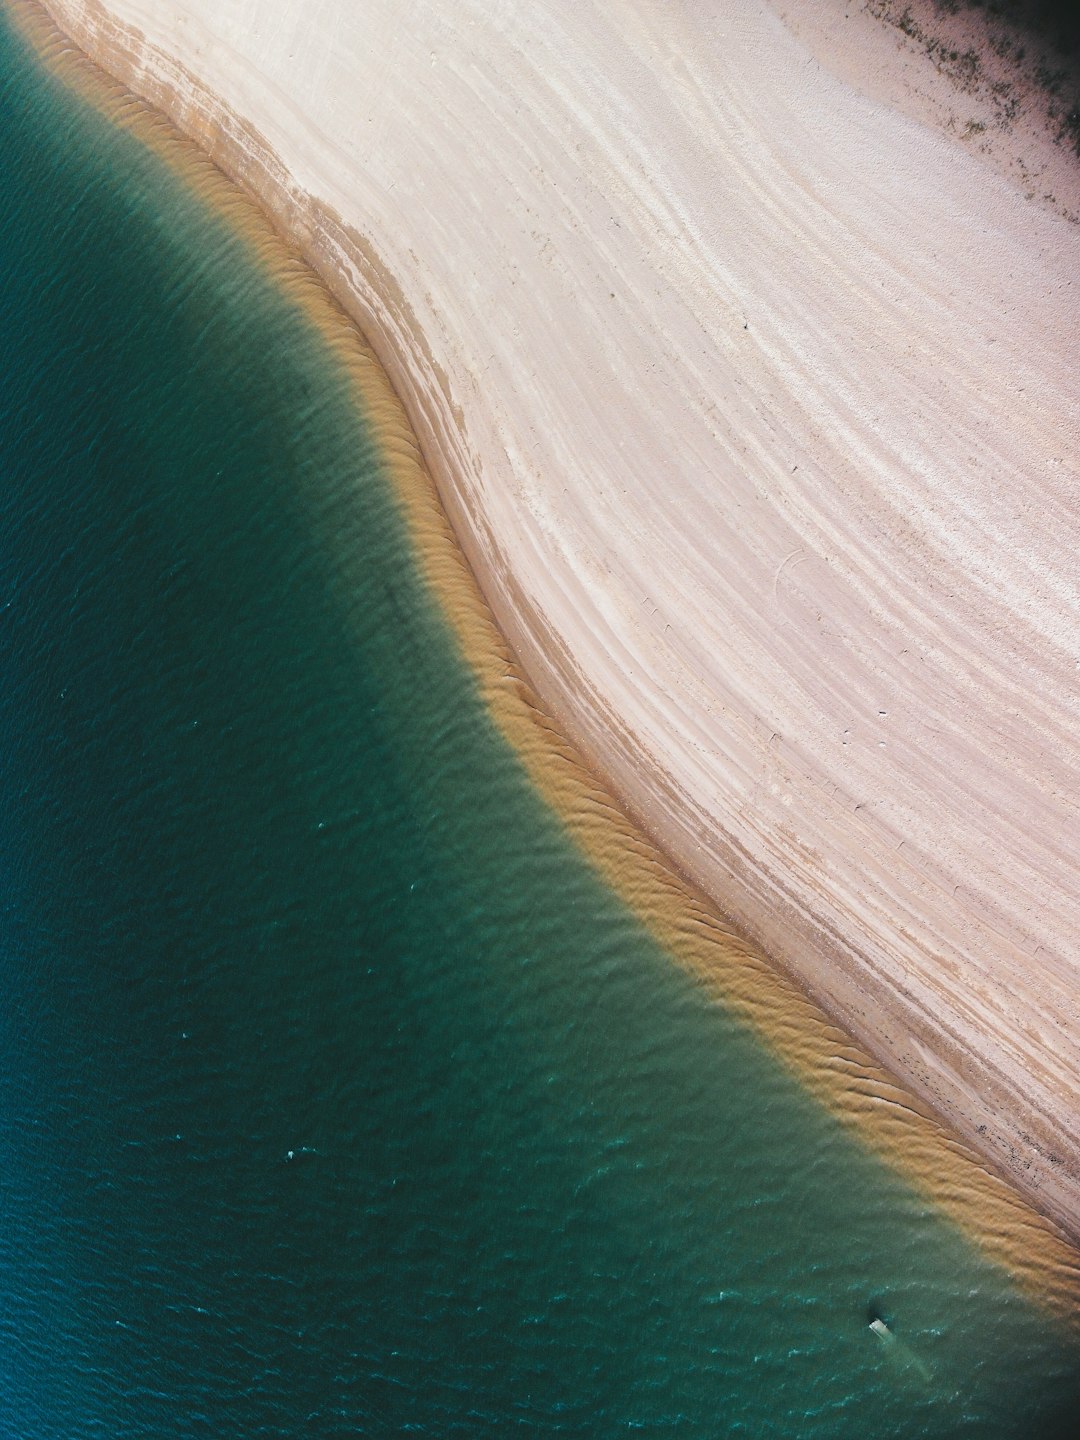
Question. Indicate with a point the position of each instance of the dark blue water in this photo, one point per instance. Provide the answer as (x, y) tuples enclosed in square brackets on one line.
[(337, 1097)]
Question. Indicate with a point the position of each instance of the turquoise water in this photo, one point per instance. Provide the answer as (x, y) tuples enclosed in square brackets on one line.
[(336, 1096)]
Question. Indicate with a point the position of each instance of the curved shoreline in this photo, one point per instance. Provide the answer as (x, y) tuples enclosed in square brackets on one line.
[(835, 1070)]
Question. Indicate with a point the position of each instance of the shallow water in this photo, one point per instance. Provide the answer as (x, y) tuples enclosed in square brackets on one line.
[(337, 1096)]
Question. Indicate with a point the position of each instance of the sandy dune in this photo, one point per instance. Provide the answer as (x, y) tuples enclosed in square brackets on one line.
[(754, 402)]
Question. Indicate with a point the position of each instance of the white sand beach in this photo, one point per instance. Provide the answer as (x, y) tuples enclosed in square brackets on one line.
[(750, 386)]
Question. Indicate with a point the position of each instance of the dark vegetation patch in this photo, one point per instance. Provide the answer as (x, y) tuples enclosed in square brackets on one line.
[(1037, 41)]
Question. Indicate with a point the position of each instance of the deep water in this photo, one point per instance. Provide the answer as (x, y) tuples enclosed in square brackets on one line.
[(337, 1097)]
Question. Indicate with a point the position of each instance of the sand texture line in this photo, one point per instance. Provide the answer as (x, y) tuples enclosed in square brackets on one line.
[(839, 1072)]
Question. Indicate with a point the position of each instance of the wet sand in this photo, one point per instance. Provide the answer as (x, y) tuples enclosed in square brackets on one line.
[(751, 402)]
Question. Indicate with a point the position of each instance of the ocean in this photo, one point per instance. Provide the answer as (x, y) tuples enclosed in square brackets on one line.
[(338, 1096)]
